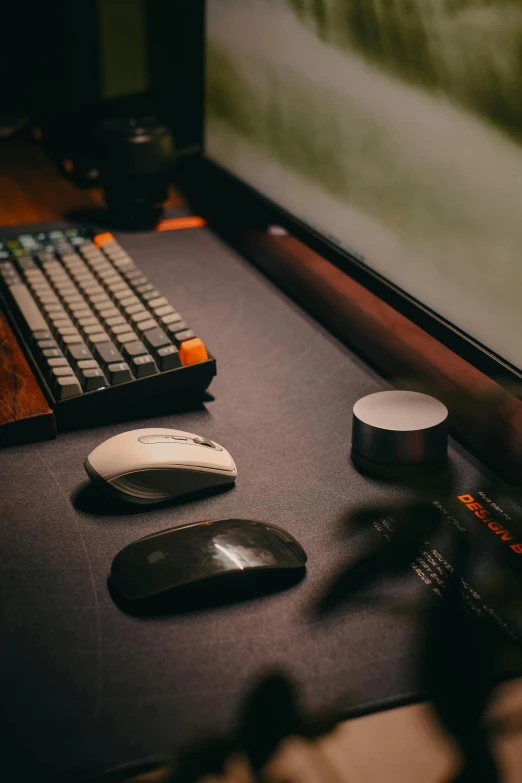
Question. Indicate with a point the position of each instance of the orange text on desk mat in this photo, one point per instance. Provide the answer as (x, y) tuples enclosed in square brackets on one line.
[(483, 514)]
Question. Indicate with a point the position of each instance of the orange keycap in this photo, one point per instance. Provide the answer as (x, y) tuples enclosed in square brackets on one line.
[(101, 239), (192, 351)]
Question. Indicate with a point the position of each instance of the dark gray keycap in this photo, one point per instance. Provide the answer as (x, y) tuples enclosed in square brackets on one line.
[(78, 352), (171, 318), (52, 353), (107, 353), (187, 334), (168, 357), (158, 302), (143, 366), (45, 344), (68, 386), (126, 337), (119, 373), (177, 326), (92, 379), (152, 294), (58, 361), (135, 308), (115, 320), (42, 334), (88, 364), (134, 349), (155, 338), (144, 326), (59, 372), (160, 312)]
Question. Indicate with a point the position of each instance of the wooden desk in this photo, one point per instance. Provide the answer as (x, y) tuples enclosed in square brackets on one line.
[(399, 746)]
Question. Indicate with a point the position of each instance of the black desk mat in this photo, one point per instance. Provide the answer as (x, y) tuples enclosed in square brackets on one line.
[(85, 685)]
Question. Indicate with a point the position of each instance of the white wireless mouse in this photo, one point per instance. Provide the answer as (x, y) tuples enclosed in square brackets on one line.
[(153, 465)]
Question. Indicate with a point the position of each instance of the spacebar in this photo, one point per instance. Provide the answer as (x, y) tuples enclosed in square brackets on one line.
[(28, 307)]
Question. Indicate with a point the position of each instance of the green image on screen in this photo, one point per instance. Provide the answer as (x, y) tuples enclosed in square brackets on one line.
[(394, 126)]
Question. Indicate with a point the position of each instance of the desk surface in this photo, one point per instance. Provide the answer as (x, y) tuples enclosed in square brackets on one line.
[(282, 383)]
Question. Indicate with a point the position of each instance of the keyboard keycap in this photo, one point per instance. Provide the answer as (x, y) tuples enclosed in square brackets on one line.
[(193, 351), (78, 352), (119, 373), (134, 349), (28, 307), (92, 379), (126, 337), (158, 302), (88, 364), (137, 318), (42, 334), (116, 320), (135, 308), (168, 358), (59, 372), (93, 328), (46, 344), (152, 294), (144, 326), (186, 334), (72, 339), (66, 387), (129, 300), (171, 318), (120, 328), (107, 353), (164, 310), (52, 353), (89, 321), (99, 338), (143, 366), (59, 361), (155, 338), (177, 326)]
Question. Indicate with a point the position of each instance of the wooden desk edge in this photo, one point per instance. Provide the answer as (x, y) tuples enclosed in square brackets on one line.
[(482, 413), (25, 414)]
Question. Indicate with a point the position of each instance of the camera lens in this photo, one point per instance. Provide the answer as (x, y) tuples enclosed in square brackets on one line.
[(136, 158)]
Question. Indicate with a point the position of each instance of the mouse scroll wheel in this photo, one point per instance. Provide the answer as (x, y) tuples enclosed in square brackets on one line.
[(204, 442)]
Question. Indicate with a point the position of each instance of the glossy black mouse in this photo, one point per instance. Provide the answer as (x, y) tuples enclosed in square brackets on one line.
[(203, 550)]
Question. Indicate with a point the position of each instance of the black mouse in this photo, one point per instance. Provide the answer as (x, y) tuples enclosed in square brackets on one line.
[(193, 553)]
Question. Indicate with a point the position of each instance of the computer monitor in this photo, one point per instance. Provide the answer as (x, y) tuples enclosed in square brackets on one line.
[(392, 128)]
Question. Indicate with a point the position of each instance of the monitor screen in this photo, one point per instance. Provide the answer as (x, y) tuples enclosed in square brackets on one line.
[(394, 128)]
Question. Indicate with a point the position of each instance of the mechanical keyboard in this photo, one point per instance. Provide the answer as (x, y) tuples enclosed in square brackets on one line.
[(96, 330)]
